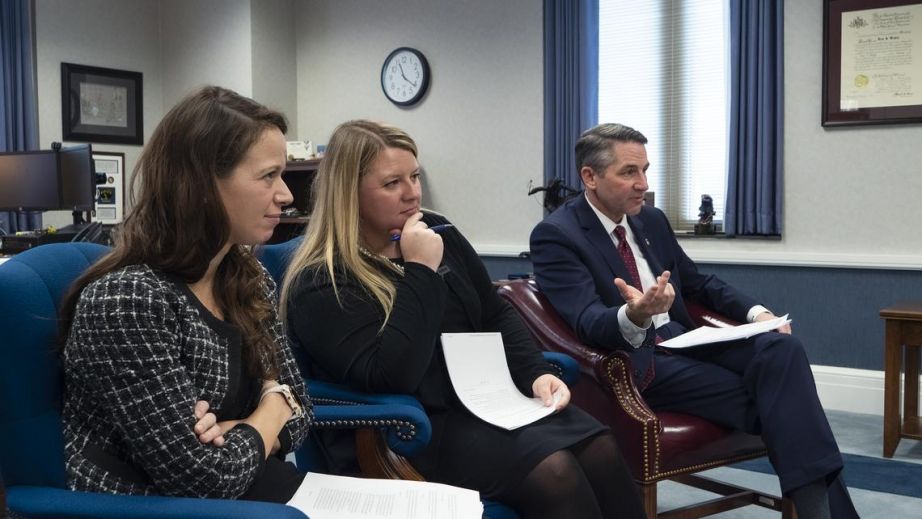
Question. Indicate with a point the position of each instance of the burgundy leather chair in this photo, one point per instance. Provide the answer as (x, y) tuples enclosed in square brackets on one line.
[(657, 446)]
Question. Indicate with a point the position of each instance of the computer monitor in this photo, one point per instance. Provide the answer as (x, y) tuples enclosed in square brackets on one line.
[(78, 178), (29, 181)]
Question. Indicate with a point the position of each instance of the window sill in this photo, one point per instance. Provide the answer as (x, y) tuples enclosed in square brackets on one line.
[(722, 236)]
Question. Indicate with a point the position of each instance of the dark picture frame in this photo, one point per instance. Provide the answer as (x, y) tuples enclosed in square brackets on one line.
[(863, 100), (101, 105)]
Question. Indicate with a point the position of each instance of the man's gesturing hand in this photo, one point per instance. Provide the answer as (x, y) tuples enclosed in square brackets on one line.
[(641, 306)]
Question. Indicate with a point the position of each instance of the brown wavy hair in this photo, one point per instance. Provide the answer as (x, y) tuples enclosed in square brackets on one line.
[(178, 223)]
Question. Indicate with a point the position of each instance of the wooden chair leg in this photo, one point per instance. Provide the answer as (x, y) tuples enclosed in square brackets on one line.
[(648, 495), (787, 508), (378, 461)]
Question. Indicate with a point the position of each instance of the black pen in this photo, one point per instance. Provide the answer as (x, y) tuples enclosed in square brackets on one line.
[(434, 228)]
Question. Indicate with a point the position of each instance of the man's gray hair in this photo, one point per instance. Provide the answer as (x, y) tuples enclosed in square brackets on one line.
[(594, 147)]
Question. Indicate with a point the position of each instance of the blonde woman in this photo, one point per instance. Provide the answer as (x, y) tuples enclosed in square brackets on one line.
[(369, 292)]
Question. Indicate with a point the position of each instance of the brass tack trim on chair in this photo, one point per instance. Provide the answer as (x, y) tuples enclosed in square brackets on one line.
[(559, 370), (628, 402), (404, 430), (333, 401), (702, 466)]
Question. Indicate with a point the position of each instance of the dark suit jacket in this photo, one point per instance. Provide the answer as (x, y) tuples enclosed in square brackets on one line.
[(576, 261)]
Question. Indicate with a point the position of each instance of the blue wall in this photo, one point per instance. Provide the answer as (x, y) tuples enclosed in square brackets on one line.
[(835, 311)]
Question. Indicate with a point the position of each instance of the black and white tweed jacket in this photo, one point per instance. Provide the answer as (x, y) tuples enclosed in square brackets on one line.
[(140, 353)]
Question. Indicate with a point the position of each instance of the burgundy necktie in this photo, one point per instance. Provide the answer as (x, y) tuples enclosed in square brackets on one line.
[(628, 257)]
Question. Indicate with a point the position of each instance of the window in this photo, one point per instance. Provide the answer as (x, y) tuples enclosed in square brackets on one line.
[(663, 70)]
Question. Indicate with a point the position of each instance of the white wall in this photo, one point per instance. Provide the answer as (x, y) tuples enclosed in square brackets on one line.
[(851, 195), (121, 35), (479, 129), (205, 42), (275, 80)]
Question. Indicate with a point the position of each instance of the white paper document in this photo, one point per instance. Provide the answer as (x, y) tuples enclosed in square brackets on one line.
[(481, 379), (322, 496), (708, 335)]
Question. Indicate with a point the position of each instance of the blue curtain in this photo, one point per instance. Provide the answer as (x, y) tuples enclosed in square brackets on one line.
[(755, 176), (18, 113), (571, 83)]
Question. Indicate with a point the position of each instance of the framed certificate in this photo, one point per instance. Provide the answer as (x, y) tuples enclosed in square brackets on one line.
[(872, 62), (110, 196)]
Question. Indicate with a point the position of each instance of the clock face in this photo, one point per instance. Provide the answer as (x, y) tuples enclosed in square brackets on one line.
[(405, 76)]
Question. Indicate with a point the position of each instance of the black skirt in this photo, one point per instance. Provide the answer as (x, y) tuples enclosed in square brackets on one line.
[(476, 455)]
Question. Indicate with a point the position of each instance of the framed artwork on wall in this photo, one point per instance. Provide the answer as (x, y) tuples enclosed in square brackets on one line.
[(101, 105), (110, 196), (872, 62)]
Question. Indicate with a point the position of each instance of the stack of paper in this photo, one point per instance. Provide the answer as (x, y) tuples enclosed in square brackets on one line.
[(322, 496), (708, 335)]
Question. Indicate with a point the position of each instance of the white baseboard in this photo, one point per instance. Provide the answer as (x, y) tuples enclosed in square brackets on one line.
[(848, 389)]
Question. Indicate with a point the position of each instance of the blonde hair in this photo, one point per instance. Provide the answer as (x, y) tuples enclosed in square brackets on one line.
[(332, 236)]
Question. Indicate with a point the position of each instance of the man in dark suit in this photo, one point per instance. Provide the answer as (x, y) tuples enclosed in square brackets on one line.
[(612, 267)]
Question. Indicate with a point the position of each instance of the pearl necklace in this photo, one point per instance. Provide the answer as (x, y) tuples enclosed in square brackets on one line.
[(380, 257)]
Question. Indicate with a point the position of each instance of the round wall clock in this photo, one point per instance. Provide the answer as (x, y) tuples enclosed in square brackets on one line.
[(405, 76)]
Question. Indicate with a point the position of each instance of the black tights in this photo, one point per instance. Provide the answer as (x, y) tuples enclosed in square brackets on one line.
[(589, 480)]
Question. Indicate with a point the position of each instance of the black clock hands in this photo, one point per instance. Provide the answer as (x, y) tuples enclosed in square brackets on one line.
[(405, 76)]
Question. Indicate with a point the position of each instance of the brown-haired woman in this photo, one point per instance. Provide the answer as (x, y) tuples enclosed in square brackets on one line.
[(369, 310), (178, 377)]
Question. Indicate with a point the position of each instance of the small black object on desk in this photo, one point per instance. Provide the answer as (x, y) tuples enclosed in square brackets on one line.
[(706, 213)]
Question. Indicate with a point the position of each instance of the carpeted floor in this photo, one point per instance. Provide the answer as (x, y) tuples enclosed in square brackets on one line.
[(880, 488), (869, 473)]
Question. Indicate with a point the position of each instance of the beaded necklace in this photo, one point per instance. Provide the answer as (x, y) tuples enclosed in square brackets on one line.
[(380, 257)]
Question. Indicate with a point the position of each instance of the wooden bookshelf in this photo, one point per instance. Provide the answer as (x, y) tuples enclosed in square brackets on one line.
[(299, 176)]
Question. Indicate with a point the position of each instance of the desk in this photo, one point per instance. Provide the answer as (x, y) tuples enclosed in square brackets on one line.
[(903, 332)]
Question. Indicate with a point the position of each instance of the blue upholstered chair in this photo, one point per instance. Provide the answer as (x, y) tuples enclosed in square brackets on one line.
[(370, 449), (31, 443)]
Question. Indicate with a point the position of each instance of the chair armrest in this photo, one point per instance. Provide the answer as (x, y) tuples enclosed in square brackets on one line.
[(566, 367), (698, 313), (329, 393), (546, 326), (59, 503), (616, 373), (407, 429), (388, 428)]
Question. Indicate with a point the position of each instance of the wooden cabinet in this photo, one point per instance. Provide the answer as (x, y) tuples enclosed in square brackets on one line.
[(299, 176)]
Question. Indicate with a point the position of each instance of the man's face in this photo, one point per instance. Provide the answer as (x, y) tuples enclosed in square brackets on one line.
[(619, 189)]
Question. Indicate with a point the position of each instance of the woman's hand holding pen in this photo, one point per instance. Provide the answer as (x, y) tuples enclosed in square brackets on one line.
[(420, 244), (547, 387)]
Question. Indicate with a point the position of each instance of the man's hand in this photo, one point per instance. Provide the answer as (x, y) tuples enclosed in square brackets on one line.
[(768, 316), (545, 386), (641, 306)]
